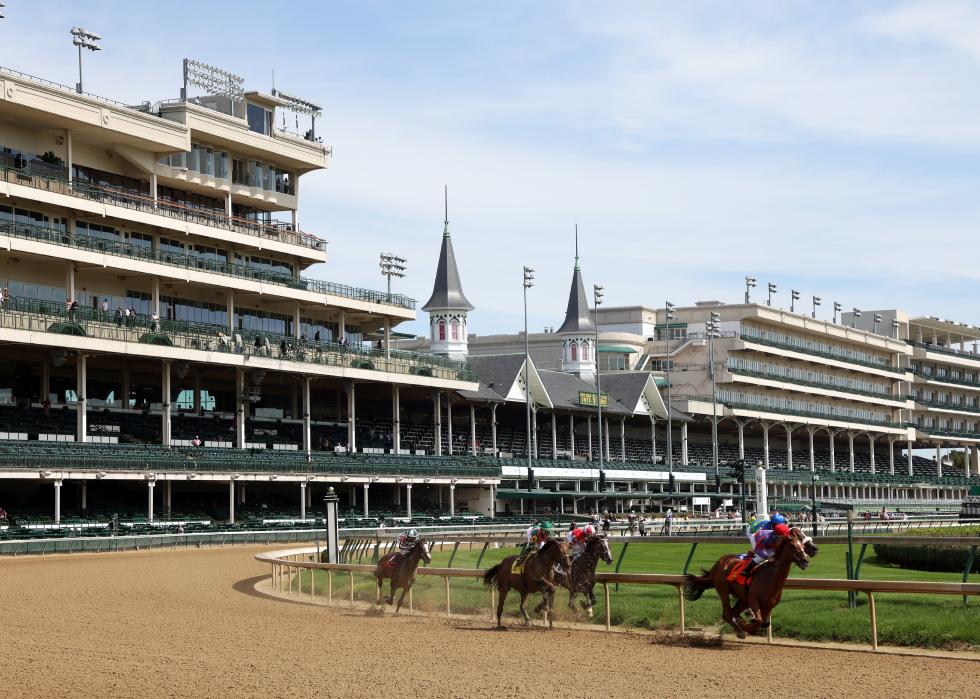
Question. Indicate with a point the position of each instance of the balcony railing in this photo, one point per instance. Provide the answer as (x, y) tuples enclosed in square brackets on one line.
[(941, 432), (140, 201), (52, 317), (758, 339), (48, 234), (739, 402), (945, 405), (65, 88), (737, 367), (946, 350), (931, 376)]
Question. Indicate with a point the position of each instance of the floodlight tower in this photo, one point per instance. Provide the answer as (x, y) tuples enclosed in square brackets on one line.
[(392, 266), (83, 39)]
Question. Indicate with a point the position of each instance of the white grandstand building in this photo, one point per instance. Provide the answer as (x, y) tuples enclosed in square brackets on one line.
[(163, 353)]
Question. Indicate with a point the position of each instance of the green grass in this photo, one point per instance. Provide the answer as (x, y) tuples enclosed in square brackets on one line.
[(903, 619)]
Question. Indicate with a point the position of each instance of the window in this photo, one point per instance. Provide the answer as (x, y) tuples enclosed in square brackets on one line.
[(442, 331), (97, 231), (259, 119), (455, 329), (585, 352), (574, 352)]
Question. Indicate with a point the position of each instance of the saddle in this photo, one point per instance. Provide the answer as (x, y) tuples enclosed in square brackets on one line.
[(390, 561), (736, 573), (518, 568)]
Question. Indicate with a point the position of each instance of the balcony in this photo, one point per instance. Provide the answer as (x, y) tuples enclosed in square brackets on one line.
[(38, 316), (749, 402), (47, 234), (931, 376), (945, 350), (945, 405), (138, 201), (806, 348), (738, 367)]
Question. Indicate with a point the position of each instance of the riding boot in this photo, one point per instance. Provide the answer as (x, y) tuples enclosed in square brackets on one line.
[(747, 571)]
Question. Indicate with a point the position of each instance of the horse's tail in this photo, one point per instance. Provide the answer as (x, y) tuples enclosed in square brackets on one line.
[(695, 585), (490, 577)]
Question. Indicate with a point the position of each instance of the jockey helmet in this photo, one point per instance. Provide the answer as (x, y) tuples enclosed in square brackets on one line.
[(777, 519), (588, 530), (781, 529), (547, 526), (413, 534)]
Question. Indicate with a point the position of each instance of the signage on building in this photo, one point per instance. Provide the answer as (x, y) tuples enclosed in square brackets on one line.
[(589, 398)]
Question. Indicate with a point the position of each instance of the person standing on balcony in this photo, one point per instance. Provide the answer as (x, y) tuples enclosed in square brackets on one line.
[(105, 310), (73, 311)]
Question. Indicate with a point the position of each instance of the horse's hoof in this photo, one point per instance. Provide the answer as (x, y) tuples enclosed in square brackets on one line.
[(740, 633), (500, 628), (589, 612)]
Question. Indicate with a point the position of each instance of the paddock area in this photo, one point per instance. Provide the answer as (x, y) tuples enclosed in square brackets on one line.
[(191, 623)]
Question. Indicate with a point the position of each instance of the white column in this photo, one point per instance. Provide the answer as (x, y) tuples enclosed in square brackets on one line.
[(871, 451), (68, 154), (156, 296), (554, 436), (833, 438), (396, 421), (437, 417), (813, 455), (789, 447), (589, 437), (307, 419), (910, 457), (850, 450), (296, 321), (939, 461), (741, 439), (408, 499), (302, 500), (891, 456), (449, 423), (150, 487), (608, 434), (70, 280), (493, 428), (571, 435), (239, 409), (81, 388), (653, 439), (684, 443), (622, 440), (534, 430), (231, 314), (228, 208), (231, 502), (351, 417), (57, 502), (341, 327), (168, 495), (452, 499), (387, 338), (366, 512), (165, 394), (472, 429), (84, 485)]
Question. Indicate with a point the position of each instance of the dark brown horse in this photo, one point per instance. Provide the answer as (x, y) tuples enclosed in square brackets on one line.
[(400, 567), (581, 579), (537, 575), (764, 589)]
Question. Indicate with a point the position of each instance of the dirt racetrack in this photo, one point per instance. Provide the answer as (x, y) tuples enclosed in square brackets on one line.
[(189, 623)]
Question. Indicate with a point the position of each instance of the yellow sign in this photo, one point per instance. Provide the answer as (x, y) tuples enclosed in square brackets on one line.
[(588, 398)]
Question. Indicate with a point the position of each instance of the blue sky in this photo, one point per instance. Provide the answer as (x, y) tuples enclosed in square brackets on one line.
[(828, 147)]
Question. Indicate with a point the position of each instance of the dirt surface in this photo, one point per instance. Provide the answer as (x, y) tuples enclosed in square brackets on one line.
[(190, 623)]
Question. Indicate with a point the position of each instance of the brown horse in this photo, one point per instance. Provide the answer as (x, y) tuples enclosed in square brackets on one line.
[(764, 589), (581, 578), (400, 567), (537, 575)]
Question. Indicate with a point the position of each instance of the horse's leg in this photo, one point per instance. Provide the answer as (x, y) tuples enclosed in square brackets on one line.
[(726, 610), (589, 602), (571, 600), (377, 597), (527, 618), (401, 598), (391, 595), (503, 586)]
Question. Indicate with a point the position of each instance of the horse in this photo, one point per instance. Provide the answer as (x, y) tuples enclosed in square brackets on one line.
[(537, 575), (581, 578), (401, 569), (762, 592)]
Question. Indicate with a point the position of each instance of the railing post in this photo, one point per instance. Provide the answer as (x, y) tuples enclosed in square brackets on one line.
[(874, 621), (680, 600), (970, 557), (479, 559), (453, 555), (622, 554), (605, 594), (690, 556), (351, 576), (449, 611), (329, 587), (312, 585)]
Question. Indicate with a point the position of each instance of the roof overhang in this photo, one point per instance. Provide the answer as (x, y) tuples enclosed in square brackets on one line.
[(944, 327)]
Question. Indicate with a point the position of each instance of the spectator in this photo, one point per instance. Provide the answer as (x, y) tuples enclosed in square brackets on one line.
[(196, 442), (72, 306), (46, 406), (119, 317), (4, 295), (105, 310), (155, 322)]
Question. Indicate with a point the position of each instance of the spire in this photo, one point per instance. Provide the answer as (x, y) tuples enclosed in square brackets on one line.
[(447, 292), (578, 319)]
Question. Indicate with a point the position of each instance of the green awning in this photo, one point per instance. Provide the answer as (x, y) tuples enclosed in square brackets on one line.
[(618, 349), (520, 494)]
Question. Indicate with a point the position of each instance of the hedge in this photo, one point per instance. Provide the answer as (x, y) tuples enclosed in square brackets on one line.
[(946, 558)]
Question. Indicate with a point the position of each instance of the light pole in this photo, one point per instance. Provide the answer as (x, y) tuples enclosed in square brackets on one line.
[(816, 302), (794, 296), (392, 266), (669, 315), (2, 5), (837, 309), (749, 284), (773, 289), (896, 325), (713, 330), (856, 314), (597, 300), (528, 283), (874, 322), (84, 40)]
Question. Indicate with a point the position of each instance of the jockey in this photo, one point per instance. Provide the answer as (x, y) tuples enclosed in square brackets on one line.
[(407, 541), (763, 524), (536, 536), (762, 544), (578, 538)]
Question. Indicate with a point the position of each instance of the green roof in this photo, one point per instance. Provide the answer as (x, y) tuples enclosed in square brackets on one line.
[(617, 348)]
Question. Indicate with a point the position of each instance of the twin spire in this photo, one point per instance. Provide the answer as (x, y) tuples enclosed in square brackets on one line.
[(578, 319), (447, 292)]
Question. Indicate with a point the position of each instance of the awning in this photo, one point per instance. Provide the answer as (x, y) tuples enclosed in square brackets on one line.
[(512, 494), (618, 349)]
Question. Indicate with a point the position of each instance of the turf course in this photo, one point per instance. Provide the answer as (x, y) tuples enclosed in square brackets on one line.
[(907, 620)]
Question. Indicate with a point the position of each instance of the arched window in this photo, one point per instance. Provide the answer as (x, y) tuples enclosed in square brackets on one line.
[(574, 352), (455, 329), (442, 330), (585, 352)]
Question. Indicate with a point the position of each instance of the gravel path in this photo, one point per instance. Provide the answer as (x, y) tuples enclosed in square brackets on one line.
[(189, 623)]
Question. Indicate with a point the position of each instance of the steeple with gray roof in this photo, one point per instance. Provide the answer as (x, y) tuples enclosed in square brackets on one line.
[(578, 330), (448, 305)]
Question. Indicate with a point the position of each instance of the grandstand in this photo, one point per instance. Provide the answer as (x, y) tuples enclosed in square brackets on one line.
[(172, 357)]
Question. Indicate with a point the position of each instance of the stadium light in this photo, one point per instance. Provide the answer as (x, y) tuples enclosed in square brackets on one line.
[(874, 323), (597, 296), (896, 325), (855, 314), (713, 330), (816, 302), (749, 284), (214, 80), (837, 309), (298, 105), (2, 5), (528, 283), (83, 39), (773, 289), (669, 315), (392, 266), (794, 296)]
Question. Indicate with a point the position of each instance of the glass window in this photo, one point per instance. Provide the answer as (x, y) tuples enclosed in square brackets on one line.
[(442, 331), (258, 118), (455, 329), (208, 161), (574, 352), (195, 158)]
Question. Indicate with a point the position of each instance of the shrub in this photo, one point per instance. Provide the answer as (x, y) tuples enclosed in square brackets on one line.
[(945, 558)]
